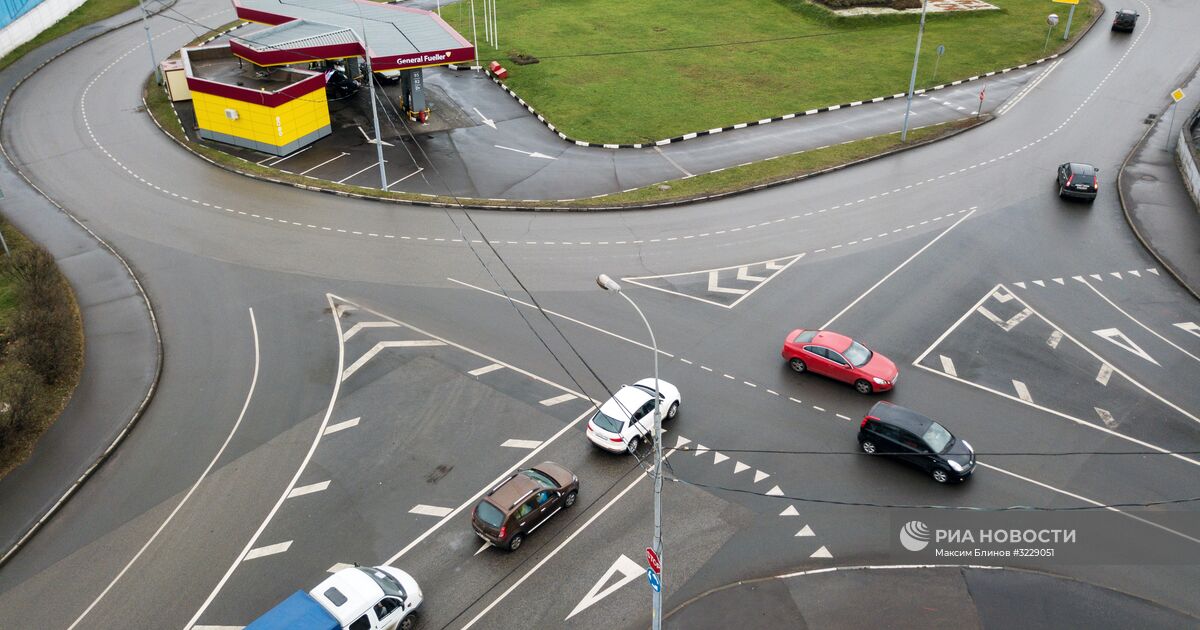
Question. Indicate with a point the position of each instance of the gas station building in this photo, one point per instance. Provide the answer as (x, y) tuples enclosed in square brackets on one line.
[(275, 103)]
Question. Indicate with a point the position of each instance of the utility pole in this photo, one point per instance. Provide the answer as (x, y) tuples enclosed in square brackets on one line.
[(383, 183), (150, 46), (912, 82)]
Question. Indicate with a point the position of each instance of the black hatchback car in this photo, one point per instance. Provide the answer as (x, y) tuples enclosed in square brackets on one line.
[(909, 436), (1076, 179), (1125, 20)]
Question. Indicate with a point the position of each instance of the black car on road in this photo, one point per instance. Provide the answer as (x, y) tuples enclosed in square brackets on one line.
[(890, 429), (1076, 179), (1125, 20)]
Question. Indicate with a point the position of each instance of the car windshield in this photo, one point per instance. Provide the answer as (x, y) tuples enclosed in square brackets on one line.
[(938, 438), (540, 477), (805, 336), (489, 514), (857, 354), (389, 584), (612, 425)]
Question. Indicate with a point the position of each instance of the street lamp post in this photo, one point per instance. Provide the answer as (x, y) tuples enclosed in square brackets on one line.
[(608, 284), (912, 82)]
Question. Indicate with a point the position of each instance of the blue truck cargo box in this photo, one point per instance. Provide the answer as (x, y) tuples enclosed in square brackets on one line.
[(298, 612)]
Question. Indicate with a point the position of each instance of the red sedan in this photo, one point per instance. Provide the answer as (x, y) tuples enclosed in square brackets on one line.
[(839, 357)]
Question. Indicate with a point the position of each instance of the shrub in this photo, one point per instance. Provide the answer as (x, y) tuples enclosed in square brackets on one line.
[(40, 333), (19, 402)]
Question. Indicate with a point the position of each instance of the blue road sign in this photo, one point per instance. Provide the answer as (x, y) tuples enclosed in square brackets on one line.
[(654, 582)]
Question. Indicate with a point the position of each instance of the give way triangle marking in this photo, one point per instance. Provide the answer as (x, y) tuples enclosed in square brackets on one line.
[(1119, 339), (629, 571)]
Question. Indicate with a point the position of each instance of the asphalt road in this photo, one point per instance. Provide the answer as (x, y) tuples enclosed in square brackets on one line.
[(312, 339)]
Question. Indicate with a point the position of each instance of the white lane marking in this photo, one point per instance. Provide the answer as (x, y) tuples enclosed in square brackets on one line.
[(1122, 341), (718, 457), (333, 569), (485, 369), (361, 325), (348, 424), (673, 162), (1027, 89), (1002, 297), (419, 169), (700, 448), (1104, 374), (1135, 320), (570, 319), (1107, 418), (471, 501), (1189, 327), (554, 552), (268, 550), (774, 492), (713, 287), (562, 398), (1005, 325), (1022, 391), (357, 173), (744, 274), (337, 385), (1055, 337), (481, 548), (790, 511), (823, 552), (212, 462), (370, 354), (309, 489), (323, 164), (739, 467), (805, 532), (898, 268), (759, 476), (629, 571), (1087, 500), (534, 154), (522, 443), (430, 510), (947, 365), (771, 264), (288, 157)]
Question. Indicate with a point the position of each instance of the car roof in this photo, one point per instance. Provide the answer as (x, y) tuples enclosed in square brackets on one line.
[(830, 339), (1083, 169), (625, 401), (509, 493), (902, 417), (1127, 11), (360, 591)]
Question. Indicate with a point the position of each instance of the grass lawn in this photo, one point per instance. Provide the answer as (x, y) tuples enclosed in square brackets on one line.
[(626, 71), (91, 11)]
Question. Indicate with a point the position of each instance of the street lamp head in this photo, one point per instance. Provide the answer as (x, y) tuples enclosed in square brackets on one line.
[(606, 283)]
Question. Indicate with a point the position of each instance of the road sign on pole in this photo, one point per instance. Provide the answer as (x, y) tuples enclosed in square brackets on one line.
[(652, 560), (1177, 95), (654, 582)]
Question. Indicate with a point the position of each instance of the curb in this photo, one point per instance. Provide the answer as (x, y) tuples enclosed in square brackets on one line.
[(1125, 206), (158, 360)]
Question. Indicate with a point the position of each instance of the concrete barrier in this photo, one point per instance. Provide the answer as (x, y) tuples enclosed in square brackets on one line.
[(1186, 157)]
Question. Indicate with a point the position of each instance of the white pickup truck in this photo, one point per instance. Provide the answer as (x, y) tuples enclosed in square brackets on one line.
[(355, 598)]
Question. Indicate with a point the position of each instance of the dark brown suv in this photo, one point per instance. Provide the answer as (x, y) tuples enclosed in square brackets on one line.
[(520, 504)]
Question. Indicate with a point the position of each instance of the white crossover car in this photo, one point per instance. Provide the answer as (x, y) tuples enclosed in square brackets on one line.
[(628, 417)]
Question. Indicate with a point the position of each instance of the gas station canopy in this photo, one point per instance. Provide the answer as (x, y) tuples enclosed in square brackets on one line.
[(392, 37)]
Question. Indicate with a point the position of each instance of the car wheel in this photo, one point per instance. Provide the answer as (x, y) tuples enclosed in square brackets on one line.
[(515, 543), (798, 365), (634, 443), (570, 500), (940, 475), (673, 411), (409, 622), (862, 386), (868, 447)]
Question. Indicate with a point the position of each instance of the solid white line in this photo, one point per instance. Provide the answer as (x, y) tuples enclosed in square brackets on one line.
[(471, 501), (207, 469), (309, 489), (570, 319), (522, 443), (1022, 391), (1131, 318), (334, 428), (1087, 500), (642, 475), (949, 330), (269, 550), (902, 265), (673, 162), (550, 402), (430, 510), (485, 369), (337, 384), (1062, 415), (343, 180), (324, 163), (288, 157), (419, 169), (370, 354)]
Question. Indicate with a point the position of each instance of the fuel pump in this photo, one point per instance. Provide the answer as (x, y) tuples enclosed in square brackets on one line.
[(412, 95)]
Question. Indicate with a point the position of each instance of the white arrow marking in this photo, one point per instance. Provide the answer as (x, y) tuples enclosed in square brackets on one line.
[(1190, 327), (790, 511), (821, 553), (1022, 391), (744, 274), (481, 548), (947, 365), (487, 121), (1060, 281), (1135, 273), (1120, 340), (700, 448), (1107, 418), (1152, 270), (1115, 274), (718, 458), (712, 286), (371, 140), (1005, 325), (1020, 284), (775, 492), (535, 154), (739, 467), (1105, 373), (759, 476), (630, 571), (1039, 283), (806, 531), (680, 441)]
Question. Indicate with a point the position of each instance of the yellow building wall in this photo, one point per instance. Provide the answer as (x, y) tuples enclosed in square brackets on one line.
[(271, 125)]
